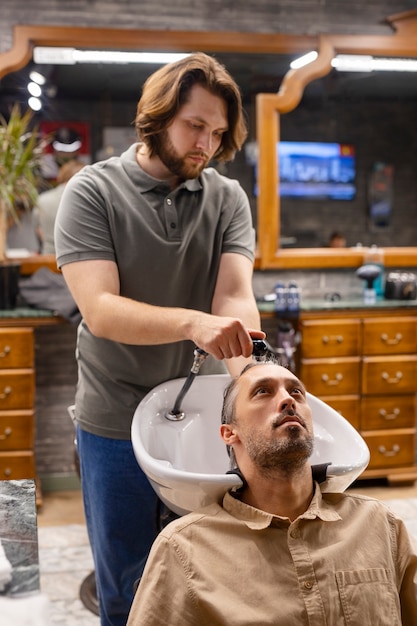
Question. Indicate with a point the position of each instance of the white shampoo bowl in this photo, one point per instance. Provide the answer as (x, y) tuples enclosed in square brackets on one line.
[(186, 461)]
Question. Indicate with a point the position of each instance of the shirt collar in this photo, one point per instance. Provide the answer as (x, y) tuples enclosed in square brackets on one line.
[(144, 181), (258, 520)]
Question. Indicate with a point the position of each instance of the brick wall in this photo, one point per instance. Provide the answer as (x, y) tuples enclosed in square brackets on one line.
[(285, 16)]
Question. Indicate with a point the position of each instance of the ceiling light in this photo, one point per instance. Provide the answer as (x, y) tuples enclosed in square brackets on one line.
[(71, 56), (367, 63), (34, 90), (38, 78), (304, 60), (35, 104)]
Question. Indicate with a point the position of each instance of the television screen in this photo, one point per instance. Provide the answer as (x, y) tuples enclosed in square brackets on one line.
[(316, 170)]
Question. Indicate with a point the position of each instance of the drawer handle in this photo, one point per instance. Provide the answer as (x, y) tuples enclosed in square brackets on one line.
[(389, 416), (335, 381), (7, 391), (394, 380), (394, 450), (7, 471), (332, 338), (5, 352), (7, 432), (391, 342)]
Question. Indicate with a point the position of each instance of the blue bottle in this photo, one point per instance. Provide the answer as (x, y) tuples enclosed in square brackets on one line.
[(280, 298)]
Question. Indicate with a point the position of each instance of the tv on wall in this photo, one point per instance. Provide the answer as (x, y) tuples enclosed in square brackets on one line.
[(318, 170)]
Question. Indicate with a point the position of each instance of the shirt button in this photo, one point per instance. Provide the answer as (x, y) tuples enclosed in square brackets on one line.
[(173, 225), (295, 533), (308, 584), (169, 201)]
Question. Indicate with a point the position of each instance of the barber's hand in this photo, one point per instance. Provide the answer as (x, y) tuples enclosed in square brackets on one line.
[(224, 337)]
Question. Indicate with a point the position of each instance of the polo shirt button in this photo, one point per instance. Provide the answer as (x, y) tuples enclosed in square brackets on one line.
[(308, 584), (169, 201)]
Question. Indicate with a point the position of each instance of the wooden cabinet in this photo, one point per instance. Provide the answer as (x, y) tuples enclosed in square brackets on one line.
[(17, 397), (364, 364)]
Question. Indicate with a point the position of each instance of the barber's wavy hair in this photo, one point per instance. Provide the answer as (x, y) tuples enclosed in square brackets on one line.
[(165, 91)]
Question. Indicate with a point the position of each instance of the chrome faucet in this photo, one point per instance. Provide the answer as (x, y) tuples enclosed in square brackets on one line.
[(261, 351)]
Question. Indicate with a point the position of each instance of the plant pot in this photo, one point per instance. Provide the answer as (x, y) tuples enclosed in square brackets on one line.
[(9, 284)]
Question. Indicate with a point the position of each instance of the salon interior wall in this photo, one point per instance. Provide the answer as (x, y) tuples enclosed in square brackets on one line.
[(56, 382)]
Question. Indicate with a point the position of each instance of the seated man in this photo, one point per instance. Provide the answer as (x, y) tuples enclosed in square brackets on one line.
[(278, 551)]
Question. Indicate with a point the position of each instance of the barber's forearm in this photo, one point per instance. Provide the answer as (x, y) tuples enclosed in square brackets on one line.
[(243, 308), (127, 321)]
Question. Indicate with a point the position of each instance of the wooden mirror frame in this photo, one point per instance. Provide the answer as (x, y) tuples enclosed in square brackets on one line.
[(268, 106)]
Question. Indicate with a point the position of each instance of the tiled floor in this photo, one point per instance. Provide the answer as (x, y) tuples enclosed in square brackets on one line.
[(65, 557)]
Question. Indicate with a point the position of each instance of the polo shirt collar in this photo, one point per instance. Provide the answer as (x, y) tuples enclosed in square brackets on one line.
[(259, 520), (144, 181)]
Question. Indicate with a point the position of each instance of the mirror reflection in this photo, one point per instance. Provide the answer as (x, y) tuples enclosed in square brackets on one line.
[(357, 173), (371, 115), (98, 101)]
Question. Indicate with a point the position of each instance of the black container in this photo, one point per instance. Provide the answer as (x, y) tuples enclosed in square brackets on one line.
[(9, 285), (400, 286)]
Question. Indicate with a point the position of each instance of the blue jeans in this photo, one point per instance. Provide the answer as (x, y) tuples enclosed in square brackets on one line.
[(121, 514)]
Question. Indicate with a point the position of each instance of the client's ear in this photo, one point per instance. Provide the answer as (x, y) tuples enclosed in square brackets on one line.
[(228, 434)]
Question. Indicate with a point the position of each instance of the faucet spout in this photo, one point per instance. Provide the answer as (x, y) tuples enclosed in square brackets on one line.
[(175, 415), (199, 358)]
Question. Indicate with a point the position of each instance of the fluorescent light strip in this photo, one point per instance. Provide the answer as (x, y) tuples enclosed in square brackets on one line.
[(71, 56), (304, 60), (365, 63), (360, 63)]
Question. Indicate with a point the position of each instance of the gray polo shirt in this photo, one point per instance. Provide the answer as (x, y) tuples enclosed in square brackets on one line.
[(167, 246)]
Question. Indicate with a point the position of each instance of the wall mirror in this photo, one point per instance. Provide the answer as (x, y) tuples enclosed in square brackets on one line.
[(278, 50), (270, 109)]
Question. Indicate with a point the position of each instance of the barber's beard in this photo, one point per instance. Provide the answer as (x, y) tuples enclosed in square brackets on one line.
[(177, 164), (285, 455)]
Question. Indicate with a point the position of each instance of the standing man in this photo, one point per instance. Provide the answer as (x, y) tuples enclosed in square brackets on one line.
[(157, 250)]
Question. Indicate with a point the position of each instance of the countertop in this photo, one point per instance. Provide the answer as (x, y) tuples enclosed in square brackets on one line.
[(344, 304)]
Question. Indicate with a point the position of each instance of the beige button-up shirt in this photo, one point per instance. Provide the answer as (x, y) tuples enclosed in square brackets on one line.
[(346, 561)]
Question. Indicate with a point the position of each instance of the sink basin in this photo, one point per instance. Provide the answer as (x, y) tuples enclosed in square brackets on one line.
[(186, 461)]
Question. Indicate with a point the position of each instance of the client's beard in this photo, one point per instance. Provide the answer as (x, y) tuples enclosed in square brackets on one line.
[(284, 456)]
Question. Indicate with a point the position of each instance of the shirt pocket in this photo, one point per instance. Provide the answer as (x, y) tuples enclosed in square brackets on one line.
[(369, 596)]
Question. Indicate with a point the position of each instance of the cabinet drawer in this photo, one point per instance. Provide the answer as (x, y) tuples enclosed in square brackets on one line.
[(17, 465), (389, 375), (17, 389), (348, 406), (390, 336), (16, 348), (16, 430), (331, 376), (382, 412), (330, 337), (391, 448)]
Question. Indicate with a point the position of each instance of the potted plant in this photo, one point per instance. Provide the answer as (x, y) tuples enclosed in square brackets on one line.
[(20, 154)]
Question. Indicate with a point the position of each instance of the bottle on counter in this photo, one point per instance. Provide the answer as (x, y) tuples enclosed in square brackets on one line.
[(280, 298), (375, 256), (293, 298)]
